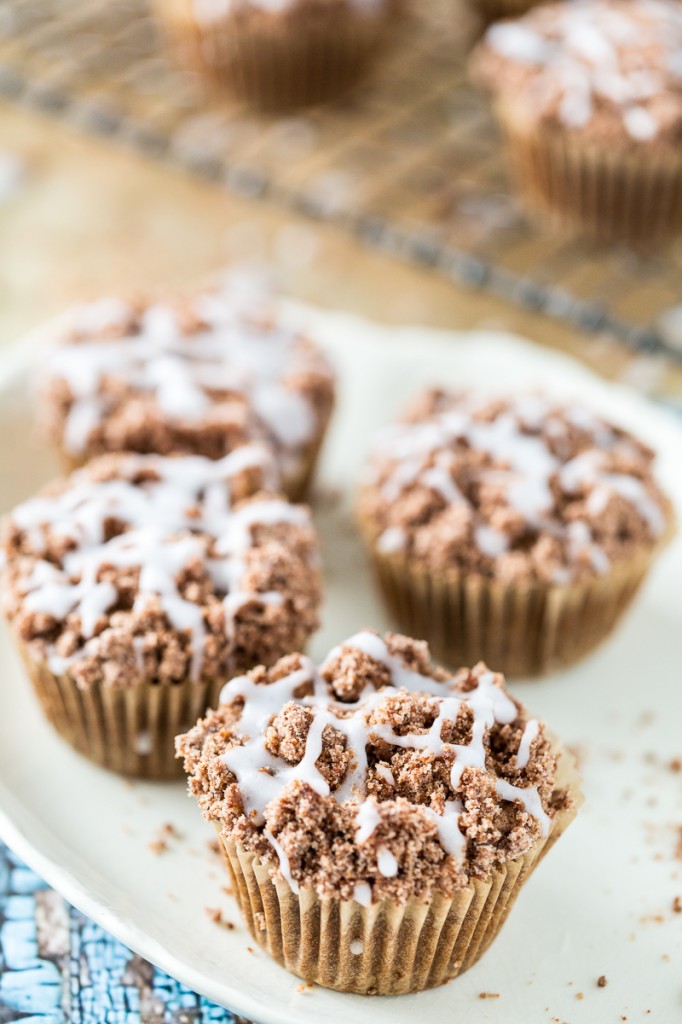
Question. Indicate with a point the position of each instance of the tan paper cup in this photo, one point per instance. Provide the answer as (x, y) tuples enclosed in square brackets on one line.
[(610, 193), (127, 729), (289, 59), (520, 630), (386, 948)]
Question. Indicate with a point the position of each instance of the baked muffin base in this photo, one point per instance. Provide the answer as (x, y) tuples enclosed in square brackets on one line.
[(633, 196), (127, 729), (520, 629), (385, 948), (279, 61)]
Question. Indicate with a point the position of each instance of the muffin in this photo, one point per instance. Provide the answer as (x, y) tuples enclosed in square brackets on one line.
[(137, 586), (200, 376), (285, 54), (378, 815), (589, 98), (510, 529)]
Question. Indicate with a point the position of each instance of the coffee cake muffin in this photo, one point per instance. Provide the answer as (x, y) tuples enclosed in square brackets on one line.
[(510, 529), (589, 97), (200, 376), (378, 814), (285, 54), (138, 585)]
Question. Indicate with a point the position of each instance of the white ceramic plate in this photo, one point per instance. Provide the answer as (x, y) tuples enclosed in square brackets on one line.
[(600, 904)]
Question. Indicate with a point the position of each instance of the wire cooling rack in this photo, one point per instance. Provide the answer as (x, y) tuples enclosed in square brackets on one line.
[(411, 163)]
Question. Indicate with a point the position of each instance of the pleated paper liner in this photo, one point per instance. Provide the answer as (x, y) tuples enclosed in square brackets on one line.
[(604, 191), (385, 948), (127, 729), (519, 629), (284, 60)]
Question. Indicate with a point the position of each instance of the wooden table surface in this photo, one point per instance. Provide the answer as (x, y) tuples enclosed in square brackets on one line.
[(80, 216)]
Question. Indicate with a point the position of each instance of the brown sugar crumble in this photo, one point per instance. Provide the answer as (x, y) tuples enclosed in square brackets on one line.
[(150, 569), (200, 375), (376, 775), (518, 489), (217, 917), (601, 981)]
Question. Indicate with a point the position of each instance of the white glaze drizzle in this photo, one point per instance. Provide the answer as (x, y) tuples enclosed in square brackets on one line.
[(161, 537), (414, 448), (234, 353), (591, 51), (262, 777)]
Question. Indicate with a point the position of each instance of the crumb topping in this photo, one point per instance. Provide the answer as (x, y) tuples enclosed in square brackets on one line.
[(200, 376), (610, 70), (142, 567), (377, 774), (515, 488)]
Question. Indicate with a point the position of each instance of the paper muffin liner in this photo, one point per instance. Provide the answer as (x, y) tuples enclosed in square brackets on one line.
[(280, 59), (385, 948), (127, 729), (518, 629), (611, 194)]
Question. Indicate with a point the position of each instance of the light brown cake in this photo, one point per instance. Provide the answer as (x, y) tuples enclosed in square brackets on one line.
[(281, 54), (371, 792), (513, 528), (199, 376), (589, 95), (138, 585)]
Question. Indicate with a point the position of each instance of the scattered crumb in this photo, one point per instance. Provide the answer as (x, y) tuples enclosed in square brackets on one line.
[(217, 917), (677, 905), (226, 889), (172, 896), (250, 949), (168, 829), (678, 847), (305, 986), (488, 995), (601, 981), (214, 846), (676, 764), (666, 958), (157, 847), (579, 995)]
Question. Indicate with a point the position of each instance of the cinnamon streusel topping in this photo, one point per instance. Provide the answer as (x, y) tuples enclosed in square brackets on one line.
[(200, 376), (512, 488), (142, 567), (376, 774), (607, 71)]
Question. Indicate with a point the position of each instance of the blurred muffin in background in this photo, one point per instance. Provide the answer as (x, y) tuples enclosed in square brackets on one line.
[(280, 54), (198, 375), (589, 98)]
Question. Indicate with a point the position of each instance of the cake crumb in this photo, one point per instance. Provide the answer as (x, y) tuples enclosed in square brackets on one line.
[(601, 981), (217, 917), (488, 995), (677, 905), (305, 986), (157, 847), (676, 764), (579, 995)]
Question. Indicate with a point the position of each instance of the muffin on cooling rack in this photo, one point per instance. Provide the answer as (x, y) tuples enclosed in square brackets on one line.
[(378, 815), (285, 54), (138, 585), (589, 98), (510, 529), (197, 376)]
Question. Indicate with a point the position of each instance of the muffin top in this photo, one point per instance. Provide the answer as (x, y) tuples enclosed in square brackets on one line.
[(609, 71), (199, 376), (143, 567), (518, 489), (377, 774)]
